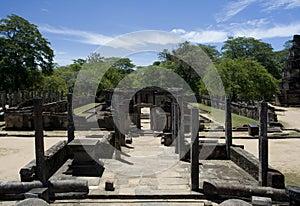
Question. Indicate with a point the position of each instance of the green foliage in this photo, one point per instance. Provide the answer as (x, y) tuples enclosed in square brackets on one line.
[(55, 83), (246, 80), (124, 64), (66, 73), (211, 51), (250, 48), (24, 54), (189, 61), (94, 58), (248, 68)]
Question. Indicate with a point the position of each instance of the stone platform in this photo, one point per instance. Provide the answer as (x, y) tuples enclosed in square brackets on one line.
[(148, 169)]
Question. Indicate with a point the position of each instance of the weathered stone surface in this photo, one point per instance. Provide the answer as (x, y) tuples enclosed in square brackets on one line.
[(235, 202), (290, 86), (41, 193), (261, 201), (55, 157), (250, 164), (21, 118), (109, 186), (85, 161), (32, 202)]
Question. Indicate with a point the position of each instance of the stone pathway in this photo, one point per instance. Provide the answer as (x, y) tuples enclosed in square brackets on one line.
[(146, 168)]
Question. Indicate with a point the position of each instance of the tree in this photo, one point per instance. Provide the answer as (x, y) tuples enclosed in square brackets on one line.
[(94, 57), (211, 51), (124, 64), (55, 83), (250, 48), (188, 61), (245, 80), (24, 54)]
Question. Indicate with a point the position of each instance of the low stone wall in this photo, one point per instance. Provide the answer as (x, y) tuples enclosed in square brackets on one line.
[(249, 111), (24, 121), (55, 157), (54, 117), (210, 151), (250, 164)]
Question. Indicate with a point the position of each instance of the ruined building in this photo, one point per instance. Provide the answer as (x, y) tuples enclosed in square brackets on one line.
[(290, 86)]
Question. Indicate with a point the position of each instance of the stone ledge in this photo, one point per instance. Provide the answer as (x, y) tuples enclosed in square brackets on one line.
[(250, 164)]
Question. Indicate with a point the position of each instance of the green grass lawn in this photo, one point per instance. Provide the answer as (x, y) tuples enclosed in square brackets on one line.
[(219, 114), (292, 179), (80, 111)]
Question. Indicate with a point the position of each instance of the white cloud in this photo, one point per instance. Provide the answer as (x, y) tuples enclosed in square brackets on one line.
[(206, 36), (44, 10), (127, 41), (276, 4), (82, 36), (271, 32), (232, 9), (178, 31), (140, 41), (256, 28)]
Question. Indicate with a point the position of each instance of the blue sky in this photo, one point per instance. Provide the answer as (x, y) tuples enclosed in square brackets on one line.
[(77, 28)]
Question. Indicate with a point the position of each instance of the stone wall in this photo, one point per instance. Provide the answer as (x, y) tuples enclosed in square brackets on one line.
[(290, 85), (55, 157), (249, 111), (23, 97), (250, 164), (54, 117)]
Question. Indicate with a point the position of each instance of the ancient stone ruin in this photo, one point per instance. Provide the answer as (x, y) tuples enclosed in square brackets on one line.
[(203, 168), (290, 86)]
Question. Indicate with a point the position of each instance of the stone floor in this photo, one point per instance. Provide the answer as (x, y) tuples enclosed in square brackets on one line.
[(147, 168)]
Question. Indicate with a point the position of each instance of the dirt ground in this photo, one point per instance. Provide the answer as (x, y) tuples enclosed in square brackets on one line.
[(16, 152), (283, 153), (289, 117)]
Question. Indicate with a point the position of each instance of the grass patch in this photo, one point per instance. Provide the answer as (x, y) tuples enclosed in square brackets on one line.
[(237, 120), (80, 111), (292, 179), (294, 134)]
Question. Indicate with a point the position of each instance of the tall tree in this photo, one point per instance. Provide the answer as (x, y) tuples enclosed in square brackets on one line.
[(188, 61), (251, 48), (94, 58), (24, 54), (211, 51), (245, 80)]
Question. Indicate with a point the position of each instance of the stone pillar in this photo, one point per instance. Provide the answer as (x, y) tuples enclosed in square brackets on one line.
[(23, 96), (228, 127), (39, 141), (39, 93), (71, 127), (181, 144), (10, 99), (27, 94), (117, 135), (194, 149), (263, 144), (62, 95), (175, 120), (19, 99), (49, 96), (44, 96), (3, 100), (122, 123), (138, 117)]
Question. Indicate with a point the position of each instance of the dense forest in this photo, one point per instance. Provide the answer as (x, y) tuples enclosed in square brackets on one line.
[(249, 68)]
